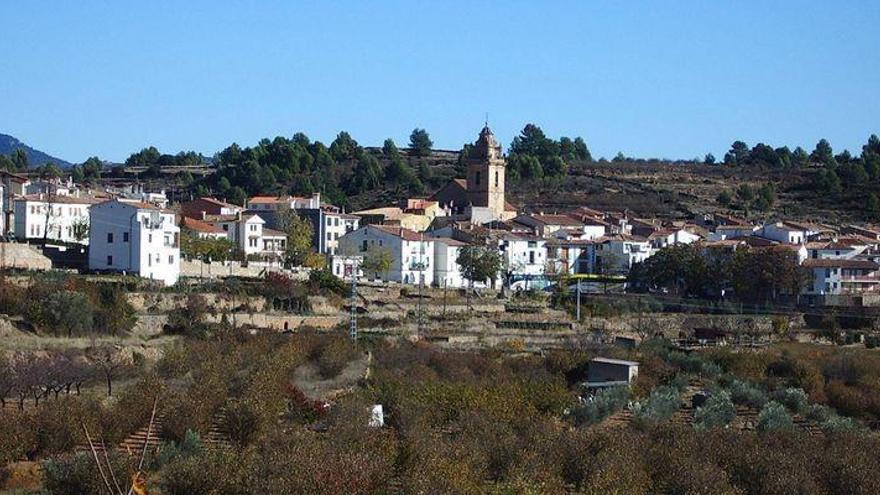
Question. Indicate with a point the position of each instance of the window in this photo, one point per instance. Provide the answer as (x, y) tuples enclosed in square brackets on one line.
[(109, 237), (109, 260), (149, 260), (477, 178), (496, 178), (364, 245), (125, 237), (226, 227), (329, 221), (171, 259), (150, 238), (531, 257), (336, 222)]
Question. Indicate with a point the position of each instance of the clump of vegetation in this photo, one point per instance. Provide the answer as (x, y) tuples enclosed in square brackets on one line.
[(601, 405), (794, 399), (663, 402), (747, 394), (69, 306), (774, 416), (717, 412)]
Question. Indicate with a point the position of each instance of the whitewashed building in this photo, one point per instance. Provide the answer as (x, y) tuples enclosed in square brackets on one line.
[(523, 255), (447, 272), (135, 238), (56, 218), (832, 276), (412, 253), (617, 254)]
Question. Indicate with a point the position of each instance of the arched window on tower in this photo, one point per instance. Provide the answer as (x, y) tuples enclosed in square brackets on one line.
[(496, 178)]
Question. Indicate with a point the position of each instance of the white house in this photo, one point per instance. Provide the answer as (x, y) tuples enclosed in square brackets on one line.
[(447, 272), (670, 237), (545, 225), (617, 254), (842, 276), (411, 252), (136, 238), (61, 218), (725, 232), (202, 230), (572, 256), (842, 248), (523, 255), (788, 232), (274, 203)]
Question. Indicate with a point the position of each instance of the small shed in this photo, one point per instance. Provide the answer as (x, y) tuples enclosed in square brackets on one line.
[(607, 372)]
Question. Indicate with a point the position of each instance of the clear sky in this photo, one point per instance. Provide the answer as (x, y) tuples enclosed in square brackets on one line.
[(669, 79)]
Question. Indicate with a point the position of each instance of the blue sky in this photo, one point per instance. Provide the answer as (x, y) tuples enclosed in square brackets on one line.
[(672, 79)]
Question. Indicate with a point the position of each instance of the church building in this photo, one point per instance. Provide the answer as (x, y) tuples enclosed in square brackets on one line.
[(479, 198)]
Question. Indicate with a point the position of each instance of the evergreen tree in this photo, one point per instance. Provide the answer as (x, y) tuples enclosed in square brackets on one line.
[(420, 142)]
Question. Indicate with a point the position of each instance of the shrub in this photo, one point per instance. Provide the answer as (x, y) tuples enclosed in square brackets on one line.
[(659, 406), (241, 423), (774, 417), (794, 399), (324, 281), (717, 412), (68, 313), (745, 393), (838, 424), (819, 413), (601, 405)]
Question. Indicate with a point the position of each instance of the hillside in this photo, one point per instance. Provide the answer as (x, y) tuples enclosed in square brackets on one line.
[(9, 144)]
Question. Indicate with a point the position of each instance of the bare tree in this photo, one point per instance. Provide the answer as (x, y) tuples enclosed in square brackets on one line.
[(109, 361), (7, 379)]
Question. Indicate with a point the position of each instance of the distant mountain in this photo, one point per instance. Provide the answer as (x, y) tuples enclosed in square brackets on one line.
[(9, 144)]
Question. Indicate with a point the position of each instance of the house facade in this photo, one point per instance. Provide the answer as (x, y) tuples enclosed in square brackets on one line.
[(51, 217), (412, 253), (135, 238)]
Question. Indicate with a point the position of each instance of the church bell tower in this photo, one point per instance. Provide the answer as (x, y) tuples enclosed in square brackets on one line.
[(485, 174)]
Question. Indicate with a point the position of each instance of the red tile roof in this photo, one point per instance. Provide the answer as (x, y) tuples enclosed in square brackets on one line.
[(405, 234), (200, 226), (841, 263)]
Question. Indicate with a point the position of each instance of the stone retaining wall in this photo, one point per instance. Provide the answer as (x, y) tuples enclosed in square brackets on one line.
[(23, 256)]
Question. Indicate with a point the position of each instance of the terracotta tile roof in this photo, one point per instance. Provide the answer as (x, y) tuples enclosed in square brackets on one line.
[(555, 220), (841, 263), (200, 226), (405, 234), (450, 241)]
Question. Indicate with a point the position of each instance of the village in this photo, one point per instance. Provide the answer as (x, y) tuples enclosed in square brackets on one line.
[(415, 242)]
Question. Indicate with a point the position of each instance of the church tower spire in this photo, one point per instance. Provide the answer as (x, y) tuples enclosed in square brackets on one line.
[(486, 173)]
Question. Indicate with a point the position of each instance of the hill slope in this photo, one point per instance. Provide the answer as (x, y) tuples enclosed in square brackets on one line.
[(9, 144)]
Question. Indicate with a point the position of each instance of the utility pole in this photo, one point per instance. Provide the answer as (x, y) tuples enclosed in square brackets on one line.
[(421, 269), (353, 325)]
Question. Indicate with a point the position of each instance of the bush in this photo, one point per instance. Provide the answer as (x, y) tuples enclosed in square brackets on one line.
[(838, 424), (601, 405), (744, 393), (717, 412), (241, 423), (794, 399), (819, 413), (68, 313), (659, 406), (324, 281), (774, 417)]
